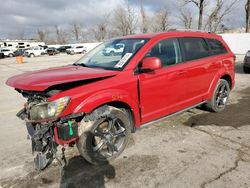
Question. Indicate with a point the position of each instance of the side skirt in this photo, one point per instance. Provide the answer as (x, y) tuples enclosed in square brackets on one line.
[(171, 115)]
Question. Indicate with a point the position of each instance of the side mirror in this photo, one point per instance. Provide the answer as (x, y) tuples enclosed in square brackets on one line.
[(151, 64)]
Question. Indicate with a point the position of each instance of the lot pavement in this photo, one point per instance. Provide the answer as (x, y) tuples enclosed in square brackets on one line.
[(195, 149)]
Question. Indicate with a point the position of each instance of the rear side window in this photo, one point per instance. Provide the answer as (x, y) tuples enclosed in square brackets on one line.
[(168, 51), (216, 47), (195, 48)]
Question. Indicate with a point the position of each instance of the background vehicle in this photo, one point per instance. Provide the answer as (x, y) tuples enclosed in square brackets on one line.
[(246, 64), (1, 55), (34, 51), (63, 48), (7, 52), (52, 51), (76, 50), (19, 52), (114, 50), (98, 101)]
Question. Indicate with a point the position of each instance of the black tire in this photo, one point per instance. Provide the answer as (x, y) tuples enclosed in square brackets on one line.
[(220, 97), (84, 52), (246, 69), (11, 55), (31, 55), (107, 136)]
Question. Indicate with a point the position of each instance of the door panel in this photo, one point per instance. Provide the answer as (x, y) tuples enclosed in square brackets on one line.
[(163, 91)]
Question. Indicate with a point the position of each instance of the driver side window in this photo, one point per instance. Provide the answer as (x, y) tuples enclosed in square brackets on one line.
[(168, 51)]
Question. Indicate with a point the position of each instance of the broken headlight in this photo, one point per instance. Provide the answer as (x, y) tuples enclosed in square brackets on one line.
[(48, 110)]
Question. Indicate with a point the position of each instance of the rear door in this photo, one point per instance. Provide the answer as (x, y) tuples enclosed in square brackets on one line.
[(199, 66), (163, 91)]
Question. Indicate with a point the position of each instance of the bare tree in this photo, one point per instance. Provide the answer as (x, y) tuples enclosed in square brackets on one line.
[(187, 19), (161, 20), (144, 19), (125, 19), (42, 35), (200, 4), (60, 35), (76, 31), (218, 13), (247, 9)]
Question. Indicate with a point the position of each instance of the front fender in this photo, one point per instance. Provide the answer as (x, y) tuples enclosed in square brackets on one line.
[(104, 97)]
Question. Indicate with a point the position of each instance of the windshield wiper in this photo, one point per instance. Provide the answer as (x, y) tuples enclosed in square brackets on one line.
[(80, 64)]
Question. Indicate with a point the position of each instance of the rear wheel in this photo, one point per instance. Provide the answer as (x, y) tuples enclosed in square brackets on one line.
[(11, 55), (107, 136), (220, 97), (246, 69), (32, 55)]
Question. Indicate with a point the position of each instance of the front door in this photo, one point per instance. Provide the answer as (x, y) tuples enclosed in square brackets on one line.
[(163, 91)]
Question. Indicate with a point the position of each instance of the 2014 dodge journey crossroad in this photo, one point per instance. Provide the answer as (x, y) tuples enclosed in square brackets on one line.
[(99, 100)]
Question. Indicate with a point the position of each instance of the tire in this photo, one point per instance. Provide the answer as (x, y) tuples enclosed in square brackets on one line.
[(220, 97), (246, 69), (31, 55), (107, 136), (11, 55), (84, 52)]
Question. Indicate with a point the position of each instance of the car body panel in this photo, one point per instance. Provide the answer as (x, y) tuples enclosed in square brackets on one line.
[(42, 79)]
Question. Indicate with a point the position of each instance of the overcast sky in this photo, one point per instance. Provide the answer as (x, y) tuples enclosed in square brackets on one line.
[(24, 17)]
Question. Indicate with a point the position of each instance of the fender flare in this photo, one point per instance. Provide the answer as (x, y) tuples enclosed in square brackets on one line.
[(214, 82)]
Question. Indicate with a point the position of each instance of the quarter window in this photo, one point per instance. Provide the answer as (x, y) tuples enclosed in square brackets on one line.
[(195, 48), (168, 51), (216, 47)]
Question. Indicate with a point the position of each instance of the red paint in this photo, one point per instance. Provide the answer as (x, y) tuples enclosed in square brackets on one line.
[(162, 91), (42, 79)]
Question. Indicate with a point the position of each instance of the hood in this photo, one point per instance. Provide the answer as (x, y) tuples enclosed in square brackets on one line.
[(43, 79)]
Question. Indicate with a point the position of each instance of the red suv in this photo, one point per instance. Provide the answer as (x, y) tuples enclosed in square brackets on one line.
[(99, 100)]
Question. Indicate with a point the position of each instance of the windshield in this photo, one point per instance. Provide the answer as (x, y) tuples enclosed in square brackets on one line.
[(113, 54)]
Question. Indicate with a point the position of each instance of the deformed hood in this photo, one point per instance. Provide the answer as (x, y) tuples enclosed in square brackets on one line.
[(43, 79)]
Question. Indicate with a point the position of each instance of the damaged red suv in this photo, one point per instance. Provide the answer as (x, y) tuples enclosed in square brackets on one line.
[(97, 102)]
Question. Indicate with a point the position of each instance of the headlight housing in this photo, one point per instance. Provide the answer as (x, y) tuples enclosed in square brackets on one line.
[(48, 110)]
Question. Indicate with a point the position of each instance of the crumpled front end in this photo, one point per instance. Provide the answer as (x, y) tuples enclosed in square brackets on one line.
[(46, 129)]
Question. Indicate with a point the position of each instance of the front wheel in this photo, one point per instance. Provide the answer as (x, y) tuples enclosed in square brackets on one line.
[(220, 97), (107, 137)]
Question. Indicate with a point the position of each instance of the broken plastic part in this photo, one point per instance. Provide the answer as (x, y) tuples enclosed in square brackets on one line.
[(70, 128)]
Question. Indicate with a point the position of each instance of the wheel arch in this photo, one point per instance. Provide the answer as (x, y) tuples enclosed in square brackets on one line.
[(228, 78), (127, 109), (125, 103), (224, 76)]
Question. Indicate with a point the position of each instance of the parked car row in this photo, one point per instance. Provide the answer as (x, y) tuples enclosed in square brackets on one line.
[(42, 50)]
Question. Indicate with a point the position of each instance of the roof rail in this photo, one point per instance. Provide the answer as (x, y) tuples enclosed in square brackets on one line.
[(194, 30)]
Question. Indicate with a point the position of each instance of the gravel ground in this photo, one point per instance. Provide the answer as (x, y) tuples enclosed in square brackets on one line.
[(194, 149)]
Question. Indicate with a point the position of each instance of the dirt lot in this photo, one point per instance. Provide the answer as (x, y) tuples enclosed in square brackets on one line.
[(195, 149)]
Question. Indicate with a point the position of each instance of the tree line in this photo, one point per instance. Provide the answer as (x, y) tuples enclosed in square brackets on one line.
[(127, 20)]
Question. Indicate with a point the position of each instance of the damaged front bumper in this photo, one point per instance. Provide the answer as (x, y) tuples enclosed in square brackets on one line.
[(46, 135)]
